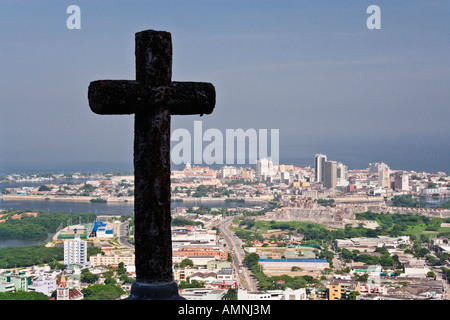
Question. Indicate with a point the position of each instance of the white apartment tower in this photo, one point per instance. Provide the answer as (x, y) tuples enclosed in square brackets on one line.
[(384, 180), (341, 174), (319, 162), (264, 168), (75, 251)]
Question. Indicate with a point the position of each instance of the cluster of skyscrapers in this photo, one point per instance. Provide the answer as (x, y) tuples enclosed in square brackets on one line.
[(330, 173)]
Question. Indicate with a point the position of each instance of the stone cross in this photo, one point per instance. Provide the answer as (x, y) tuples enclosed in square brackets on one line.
[(152, 98)]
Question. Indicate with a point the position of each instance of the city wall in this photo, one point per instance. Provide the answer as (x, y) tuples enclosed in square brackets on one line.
[(340, 214)]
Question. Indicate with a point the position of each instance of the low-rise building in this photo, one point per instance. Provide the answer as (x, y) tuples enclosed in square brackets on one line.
[(43, 284), (218, 264), (199, 254), (204, 277), (224, 284), (7, 286), (283, 265), (225, 274), (63, 292), (287, 294), (366, 269), (111, 259), (370, 244), (20, 280), (202, 293)]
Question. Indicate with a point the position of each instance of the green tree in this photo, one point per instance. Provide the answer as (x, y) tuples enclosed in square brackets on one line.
[(386, 260), (367, 259), (22, 295), (251, 259), (186, 262), (362, 278), (352, 295), (192, 284), (230, 295), (44, 188), (57, 265), (421, 252), (121, 269), (88, 277), (126, 279), (102, 292), (110, 280), (29, 255), (406, 201)]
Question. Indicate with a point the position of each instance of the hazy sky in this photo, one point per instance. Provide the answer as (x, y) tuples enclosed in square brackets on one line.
[(311, 69)]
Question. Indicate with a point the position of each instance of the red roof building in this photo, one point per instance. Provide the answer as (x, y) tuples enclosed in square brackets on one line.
[(64, 293)]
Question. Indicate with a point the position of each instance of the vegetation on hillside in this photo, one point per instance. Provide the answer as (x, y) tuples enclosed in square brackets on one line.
[(406, 201), (17, 257), (392, 225), (30, 227)]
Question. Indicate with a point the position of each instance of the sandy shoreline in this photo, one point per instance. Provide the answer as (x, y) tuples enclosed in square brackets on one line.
[(11, 197)]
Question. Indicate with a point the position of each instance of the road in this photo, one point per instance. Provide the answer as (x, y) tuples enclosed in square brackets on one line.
[(245, 280), (122, 235)]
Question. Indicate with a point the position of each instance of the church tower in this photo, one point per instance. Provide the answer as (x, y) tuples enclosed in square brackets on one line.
[(63, 290)]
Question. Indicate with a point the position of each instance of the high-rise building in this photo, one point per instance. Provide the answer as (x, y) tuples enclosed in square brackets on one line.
[(318, 166), (341, 174), (329, 174), (285, 177), (264, 168), (384, 181), (373, 167), (75, 251), (401, 182)]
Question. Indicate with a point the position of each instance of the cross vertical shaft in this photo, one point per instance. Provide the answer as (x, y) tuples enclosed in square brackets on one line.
[(153, 248), (152, 98)]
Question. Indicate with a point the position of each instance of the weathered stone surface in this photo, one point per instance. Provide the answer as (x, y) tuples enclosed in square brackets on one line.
[(154, 291), (152, 98), (130, 97)]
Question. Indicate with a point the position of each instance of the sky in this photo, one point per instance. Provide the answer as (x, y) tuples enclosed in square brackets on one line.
[(311, 69)]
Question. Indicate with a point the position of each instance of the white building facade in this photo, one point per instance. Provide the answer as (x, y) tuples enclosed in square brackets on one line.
[(75, 251), (287, 294)]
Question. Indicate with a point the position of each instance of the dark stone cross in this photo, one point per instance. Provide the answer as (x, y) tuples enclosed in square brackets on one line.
[(152, 98)]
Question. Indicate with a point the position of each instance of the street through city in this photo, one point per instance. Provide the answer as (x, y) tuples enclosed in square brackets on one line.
[(245, 280)]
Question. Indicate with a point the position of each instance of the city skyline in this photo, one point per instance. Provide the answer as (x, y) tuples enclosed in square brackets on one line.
[(312, 70)]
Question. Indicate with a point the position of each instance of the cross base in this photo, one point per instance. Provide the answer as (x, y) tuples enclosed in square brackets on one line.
[(154, 291)]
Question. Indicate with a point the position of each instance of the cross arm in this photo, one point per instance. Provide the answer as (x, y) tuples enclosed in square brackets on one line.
[(130, 96), (116, 96), (192, 98)]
